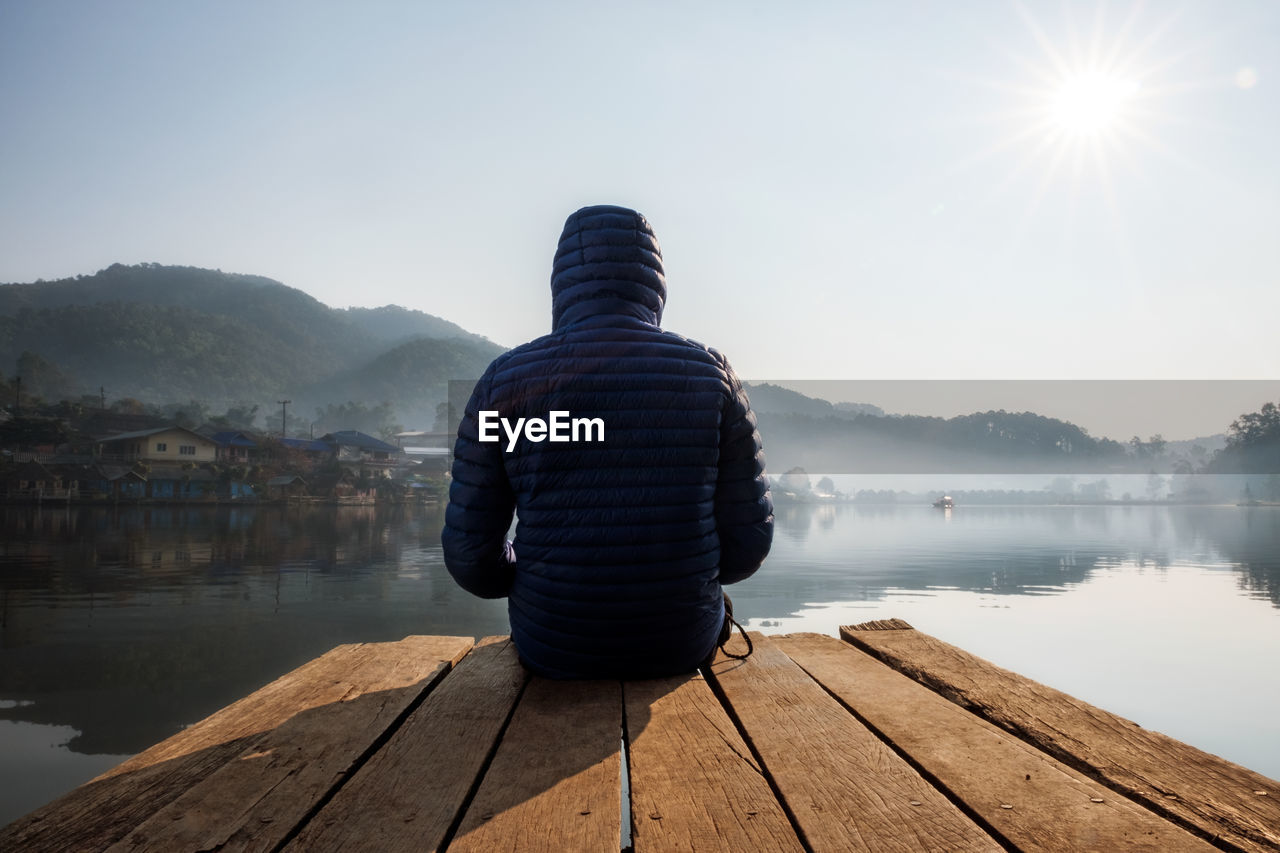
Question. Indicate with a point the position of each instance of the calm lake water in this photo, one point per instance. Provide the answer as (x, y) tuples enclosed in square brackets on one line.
[(121, 626)]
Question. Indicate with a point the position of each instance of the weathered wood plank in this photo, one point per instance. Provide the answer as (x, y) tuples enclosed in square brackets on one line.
[(254, 801), (104, 810), (846, 790), (694, 784), (555, 782), (1213, 796), (1032, 800), (409, 793)]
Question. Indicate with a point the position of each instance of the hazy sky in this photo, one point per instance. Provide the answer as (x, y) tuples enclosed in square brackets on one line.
[(871, 190)]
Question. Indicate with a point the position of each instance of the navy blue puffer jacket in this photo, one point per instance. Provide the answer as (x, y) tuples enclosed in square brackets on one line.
[(621, 545)]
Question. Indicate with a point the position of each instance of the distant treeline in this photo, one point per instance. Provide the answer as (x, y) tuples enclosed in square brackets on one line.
[(985, 442), (1000, 442)]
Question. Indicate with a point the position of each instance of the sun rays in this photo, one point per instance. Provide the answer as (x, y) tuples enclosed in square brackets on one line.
[(1085, 108)]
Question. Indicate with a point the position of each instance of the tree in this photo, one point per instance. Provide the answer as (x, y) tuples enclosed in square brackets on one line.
[(1152, 448), (1256, 428), (1098, 490), (1155, 486), (446, 419), (243, 415), (379, 420), (1062, 486), (1253, 444), (190, 414), (795, 480), (44, 379), (128, 406)]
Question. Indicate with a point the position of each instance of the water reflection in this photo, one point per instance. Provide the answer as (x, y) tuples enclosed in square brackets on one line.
[(848, 552), (120, 626), (127, 625)]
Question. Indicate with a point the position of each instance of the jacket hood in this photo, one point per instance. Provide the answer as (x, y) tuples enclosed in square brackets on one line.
[(608, 262)]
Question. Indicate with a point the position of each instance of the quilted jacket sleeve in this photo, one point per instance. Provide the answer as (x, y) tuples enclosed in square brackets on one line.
[(744, 508), (481, 505)]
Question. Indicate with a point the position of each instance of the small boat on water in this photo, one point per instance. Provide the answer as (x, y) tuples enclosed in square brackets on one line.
[(944, 502)]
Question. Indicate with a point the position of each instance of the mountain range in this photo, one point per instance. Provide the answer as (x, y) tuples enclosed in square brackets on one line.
[(161, 334), (166, 335)]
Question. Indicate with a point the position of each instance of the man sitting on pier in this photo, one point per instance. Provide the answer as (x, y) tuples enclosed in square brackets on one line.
[(622, 543)]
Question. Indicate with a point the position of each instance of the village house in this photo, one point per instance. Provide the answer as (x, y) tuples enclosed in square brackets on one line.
[(161, 444), (363, 453), (313, 449), (180, 484), (433, 451), (98, 481), (286, 486), (119, 482), (34, 481), (234, 447)]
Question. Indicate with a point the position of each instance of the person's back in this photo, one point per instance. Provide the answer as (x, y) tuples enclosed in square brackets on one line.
[(627, 530)]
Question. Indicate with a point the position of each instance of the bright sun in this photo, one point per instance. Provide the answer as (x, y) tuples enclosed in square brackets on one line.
[(1090, 103), (1084, 102)]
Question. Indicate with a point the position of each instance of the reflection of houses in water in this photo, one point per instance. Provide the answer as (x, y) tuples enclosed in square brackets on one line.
[(160, 612)]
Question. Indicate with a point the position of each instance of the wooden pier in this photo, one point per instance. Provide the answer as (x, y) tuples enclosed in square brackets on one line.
[(886, 739)]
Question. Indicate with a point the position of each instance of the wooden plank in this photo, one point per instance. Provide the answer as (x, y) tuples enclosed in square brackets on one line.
[(555, 782), (694, 784), (410, 792), (104, 810), (1030, 799), (844, 788), (1216, 798), (254, 801)]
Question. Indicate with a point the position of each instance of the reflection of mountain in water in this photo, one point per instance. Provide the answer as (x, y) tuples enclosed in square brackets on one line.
[(129, 624), (1248, 537), (870, 549), (846, 553)]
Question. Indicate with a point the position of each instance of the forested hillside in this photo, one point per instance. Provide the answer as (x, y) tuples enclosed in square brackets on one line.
[(414, 375), (161, 333), (983, 442), (769, 398)]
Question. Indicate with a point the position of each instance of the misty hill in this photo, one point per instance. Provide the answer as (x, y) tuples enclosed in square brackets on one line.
[(767, 397), (414, 375), (394, 324), (163, 333), (982, 442), (844, 438)]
